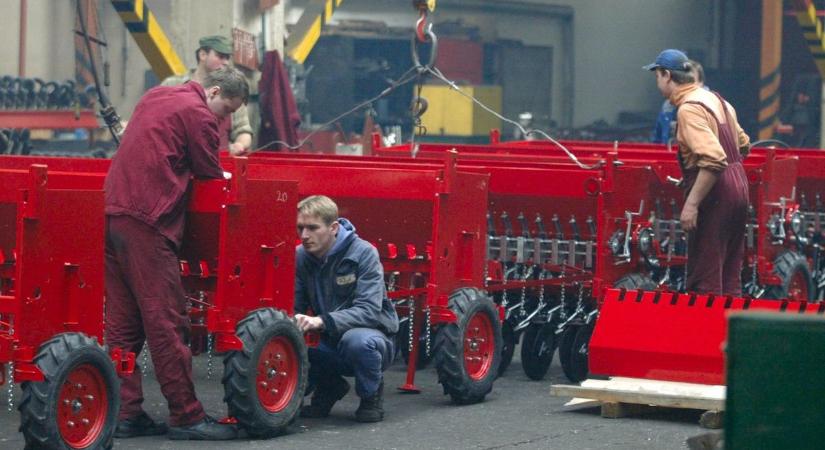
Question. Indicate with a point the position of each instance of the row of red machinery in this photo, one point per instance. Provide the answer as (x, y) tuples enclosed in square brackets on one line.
[(481, 246)]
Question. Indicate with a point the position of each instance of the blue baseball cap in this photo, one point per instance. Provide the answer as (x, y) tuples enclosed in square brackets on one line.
[(670, 59)]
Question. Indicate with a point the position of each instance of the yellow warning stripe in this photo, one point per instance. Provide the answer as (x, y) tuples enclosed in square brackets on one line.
[(307, 31), (150, 37), (769, 67), (812, 29)]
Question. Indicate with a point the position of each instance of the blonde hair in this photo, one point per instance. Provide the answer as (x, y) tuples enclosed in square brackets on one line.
[(320, 206)]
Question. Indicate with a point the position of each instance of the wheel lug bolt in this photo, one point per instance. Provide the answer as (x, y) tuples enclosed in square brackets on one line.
[(67, 402), (70, 424), (78, 386), (85, 422), (89, 397), (274, 391), (264, 384)]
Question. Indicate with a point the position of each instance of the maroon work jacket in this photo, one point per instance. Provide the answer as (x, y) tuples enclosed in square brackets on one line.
[(172, 136)]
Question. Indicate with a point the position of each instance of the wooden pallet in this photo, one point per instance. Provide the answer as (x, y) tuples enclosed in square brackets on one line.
[(621, 397)]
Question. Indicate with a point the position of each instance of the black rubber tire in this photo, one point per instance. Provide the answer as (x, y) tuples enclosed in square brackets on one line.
[(577, 364), (537, 349), (402, 341), (786, 266), (449, 348), (566, 340), (509, 340), (635, 281), (257, 329), (57, 359)]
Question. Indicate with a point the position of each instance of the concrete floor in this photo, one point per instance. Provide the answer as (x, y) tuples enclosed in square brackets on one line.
[(519, 413)]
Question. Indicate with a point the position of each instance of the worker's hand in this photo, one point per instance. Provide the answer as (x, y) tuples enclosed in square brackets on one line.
[(689, 217), (309, 323), (236, 149)]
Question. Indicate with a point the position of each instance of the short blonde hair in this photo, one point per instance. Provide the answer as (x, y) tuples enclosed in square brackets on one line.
[(320, 206)]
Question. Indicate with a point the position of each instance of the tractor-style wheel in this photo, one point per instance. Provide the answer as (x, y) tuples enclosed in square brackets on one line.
[(566, 342), (264, 383), (537, 349), (577, 368), (797, 282), (509, 340), (468, 352), (76, 405)]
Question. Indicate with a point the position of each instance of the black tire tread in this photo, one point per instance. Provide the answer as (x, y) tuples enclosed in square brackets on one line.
[(449, 348), (240, 373), (38, 427), (785, 265)]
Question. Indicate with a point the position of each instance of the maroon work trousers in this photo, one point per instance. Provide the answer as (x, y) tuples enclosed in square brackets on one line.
[(145, 301), (717, 246)]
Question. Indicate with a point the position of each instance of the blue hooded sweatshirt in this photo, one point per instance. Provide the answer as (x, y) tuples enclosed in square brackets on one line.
[(346, 289)]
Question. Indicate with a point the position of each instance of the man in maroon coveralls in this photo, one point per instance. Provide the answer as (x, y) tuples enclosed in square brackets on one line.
[(172, 136), (712, 146)]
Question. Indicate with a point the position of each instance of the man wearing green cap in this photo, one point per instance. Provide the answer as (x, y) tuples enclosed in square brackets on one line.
[(213, 53)]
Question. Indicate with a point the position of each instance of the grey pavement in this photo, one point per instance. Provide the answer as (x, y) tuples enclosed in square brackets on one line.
[(518, 414)]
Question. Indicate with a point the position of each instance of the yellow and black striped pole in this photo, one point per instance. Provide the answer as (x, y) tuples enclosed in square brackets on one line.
[(812, 28), (307, 31), (769, 65), (149, 36)]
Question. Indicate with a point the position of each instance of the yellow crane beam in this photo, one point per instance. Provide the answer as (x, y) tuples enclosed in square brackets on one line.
[(305, 34), (150, 37)]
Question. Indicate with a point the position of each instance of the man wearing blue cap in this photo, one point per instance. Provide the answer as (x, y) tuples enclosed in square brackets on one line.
[(215, 52), (712, 146)]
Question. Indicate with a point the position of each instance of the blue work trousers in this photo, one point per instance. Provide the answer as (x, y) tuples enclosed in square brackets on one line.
[(363, 353)]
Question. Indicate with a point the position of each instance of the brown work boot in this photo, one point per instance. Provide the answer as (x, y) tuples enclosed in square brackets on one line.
[(371, 408), (324, 397)]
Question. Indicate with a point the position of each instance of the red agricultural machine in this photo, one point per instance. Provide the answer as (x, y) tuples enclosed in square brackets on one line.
[(51, 308), (428, 223), (641, 246), (237, 266)]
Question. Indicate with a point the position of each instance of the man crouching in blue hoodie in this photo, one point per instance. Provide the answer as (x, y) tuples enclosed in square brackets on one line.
[(339, 277)]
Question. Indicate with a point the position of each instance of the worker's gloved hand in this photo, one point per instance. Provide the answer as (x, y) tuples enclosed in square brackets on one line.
[(227, 175)]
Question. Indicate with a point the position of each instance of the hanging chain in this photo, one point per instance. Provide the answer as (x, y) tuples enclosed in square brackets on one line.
[(563, 311), (528, 273), (209, 340), (427, 332), (144, 367), (10, 379), (411, 316), (542, 277)]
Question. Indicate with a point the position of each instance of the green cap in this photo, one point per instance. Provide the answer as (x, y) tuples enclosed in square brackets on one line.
[(220, 44)]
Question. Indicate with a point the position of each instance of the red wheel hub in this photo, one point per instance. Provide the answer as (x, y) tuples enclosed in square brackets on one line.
[(277, 374), (798, 288), (478, 346), (82, 406)]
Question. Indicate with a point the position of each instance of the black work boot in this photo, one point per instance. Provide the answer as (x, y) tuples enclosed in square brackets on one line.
[(371, 408), (325, 396), (140, 425), (207, 429)]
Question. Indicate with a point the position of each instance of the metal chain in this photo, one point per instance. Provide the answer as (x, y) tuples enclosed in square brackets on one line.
[(144, 368), (411, 316), (10, 379), (209, 340), (542, 277), (562, 311), (428, 325), (528, 274)]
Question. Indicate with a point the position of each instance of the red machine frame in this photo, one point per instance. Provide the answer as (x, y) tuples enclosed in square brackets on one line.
[(430, 254), (237, 268)]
